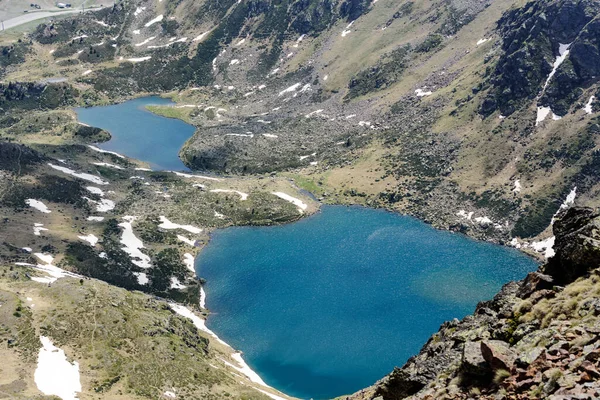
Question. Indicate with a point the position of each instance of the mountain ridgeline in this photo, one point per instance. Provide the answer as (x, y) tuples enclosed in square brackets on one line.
[(454, 100)]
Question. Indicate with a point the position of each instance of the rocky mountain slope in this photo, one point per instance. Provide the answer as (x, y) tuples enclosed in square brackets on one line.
[(538, 338), (475, 116)]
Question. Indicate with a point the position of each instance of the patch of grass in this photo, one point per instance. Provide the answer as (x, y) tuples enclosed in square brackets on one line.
[(171, 112)]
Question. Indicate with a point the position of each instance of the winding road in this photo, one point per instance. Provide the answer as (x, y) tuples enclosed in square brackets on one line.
[(33, 16)]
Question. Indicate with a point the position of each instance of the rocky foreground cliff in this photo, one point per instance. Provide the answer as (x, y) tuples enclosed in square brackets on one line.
[(538, 338)]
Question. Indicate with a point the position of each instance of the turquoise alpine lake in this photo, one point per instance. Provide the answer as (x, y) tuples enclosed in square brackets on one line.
[(140, 134), (328, 305)]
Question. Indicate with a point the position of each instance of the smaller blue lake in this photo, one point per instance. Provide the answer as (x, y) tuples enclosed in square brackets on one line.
[(327, 305), (137, 133)]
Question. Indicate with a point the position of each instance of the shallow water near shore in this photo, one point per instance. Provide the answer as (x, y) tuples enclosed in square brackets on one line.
[(327, 305), (140, 134)]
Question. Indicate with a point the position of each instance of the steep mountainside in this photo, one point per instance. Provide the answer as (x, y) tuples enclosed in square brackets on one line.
[(475, 116)]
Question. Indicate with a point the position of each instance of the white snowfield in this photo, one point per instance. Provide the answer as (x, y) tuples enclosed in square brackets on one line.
[(196, 320), (91, 239), (243, 196), (53, 272), (133, 244), (54, 375), (96, 219), (588, 106), (182, 40), (200, 37), (145, 41), (290, 89), (81, 175), (153, 21), (188, 259), (95, 190), (546, 246), (186, 240), (184, 175), (104, 205), (103, 164), (99, 150), (38, 205), (297, 202), (422, 92), (542, 113), (175, 284), (166, 224), (563, 52), (139, 59), (517, 188), (142, 278), (38, 228)]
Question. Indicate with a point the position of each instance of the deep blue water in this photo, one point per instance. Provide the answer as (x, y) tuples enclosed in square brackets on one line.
[(328, 305), (138, 133)]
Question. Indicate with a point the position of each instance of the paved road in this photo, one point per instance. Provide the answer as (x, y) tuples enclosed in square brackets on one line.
[(29, 17)]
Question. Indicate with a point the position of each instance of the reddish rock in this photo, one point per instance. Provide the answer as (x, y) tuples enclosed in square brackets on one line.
[(590, 368), (498, 354)]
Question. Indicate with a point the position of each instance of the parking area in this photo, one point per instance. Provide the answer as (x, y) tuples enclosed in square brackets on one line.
[(10, 9)]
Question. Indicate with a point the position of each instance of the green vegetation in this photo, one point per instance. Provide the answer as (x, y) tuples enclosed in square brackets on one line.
[(386, 72)]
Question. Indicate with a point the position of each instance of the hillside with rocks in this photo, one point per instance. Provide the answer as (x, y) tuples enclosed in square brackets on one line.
[(479, 117)]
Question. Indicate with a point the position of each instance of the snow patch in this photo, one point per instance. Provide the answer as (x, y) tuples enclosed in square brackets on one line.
[(104, 205), (297, 202), (422, 92), (99, 150), (133, 244), (145, 41), (153, 21), (138, 11), (588, 106), (188, 260), (175, 284), (563, 52), (97, 219), (54, 375), (186, 240), (184, 175), (88, 177), (139, 59), (38, 205), (91, 239), (197, 321), (546, 246), (307, 156), (243, 196), (37, 229), (142, 278), (290, 89), (517, 188), (166, 224), (103, 164)]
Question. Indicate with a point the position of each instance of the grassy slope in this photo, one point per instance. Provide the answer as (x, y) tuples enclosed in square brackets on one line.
[(128, 344)]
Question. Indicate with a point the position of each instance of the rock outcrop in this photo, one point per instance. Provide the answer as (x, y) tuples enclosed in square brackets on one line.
[(534, 340)]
